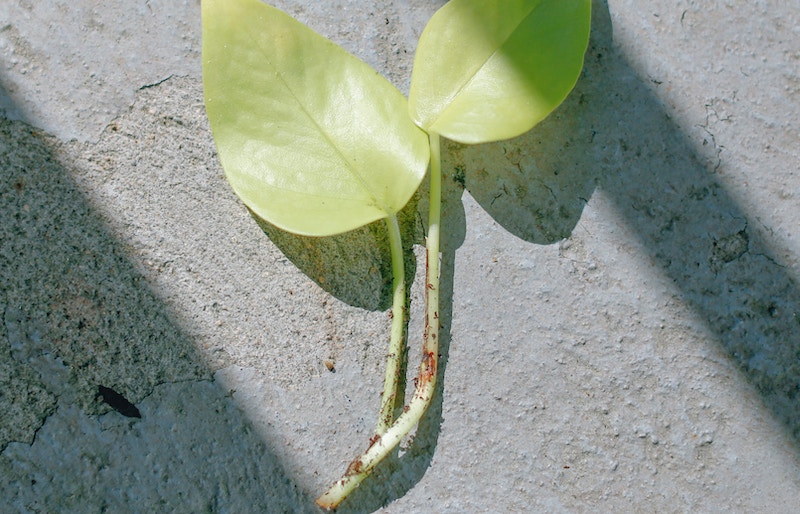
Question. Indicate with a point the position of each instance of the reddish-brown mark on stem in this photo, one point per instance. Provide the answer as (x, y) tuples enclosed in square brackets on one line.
[(355, 467), (428, 369)]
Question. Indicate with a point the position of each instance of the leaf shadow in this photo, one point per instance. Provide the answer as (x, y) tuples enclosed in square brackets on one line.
[(355, 266), (533, 185), (612, 133)]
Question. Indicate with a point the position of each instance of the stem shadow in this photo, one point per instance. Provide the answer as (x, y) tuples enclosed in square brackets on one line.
[(399, 473)]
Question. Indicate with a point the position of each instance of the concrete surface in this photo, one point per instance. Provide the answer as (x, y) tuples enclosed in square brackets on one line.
[(621, 306)]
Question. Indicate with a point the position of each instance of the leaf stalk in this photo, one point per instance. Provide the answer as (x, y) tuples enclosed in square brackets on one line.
[(383, 443), (396, 347)]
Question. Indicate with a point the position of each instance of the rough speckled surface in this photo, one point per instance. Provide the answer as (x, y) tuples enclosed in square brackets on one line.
[(621, 284)]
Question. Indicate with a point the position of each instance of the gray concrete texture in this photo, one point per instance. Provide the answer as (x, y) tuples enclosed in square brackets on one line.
[(621, 298)]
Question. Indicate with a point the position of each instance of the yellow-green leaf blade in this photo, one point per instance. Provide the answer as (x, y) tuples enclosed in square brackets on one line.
[(486, 71), (312, 139)]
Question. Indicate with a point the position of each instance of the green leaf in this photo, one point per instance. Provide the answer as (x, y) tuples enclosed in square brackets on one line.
[(486, 71), (312, 139)]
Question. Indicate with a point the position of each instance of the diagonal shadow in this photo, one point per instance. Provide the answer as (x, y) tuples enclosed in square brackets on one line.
[(612, 133), (77, 315)]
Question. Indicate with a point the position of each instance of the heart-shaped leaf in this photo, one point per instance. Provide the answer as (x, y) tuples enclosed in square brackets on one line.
[(312, 139), (486, 71)]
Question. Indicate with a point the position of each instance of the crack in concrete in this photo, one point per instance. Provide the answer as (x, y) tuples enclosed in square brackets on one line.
[(28, 350), (718, 149), (156, 83)]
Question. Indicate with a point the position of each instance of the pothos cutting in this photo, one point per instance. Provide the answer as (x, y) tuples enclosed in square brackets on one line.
[(317, 143)]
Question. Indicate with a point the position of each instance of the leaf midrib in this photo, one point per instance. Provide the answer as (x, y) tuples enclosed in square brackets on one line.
[(472, 77), (349, 166)]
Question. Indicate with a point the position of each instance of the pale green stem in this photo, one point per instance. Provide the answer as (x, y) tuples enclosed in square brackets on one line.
[(394, 357), (382, 445)]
